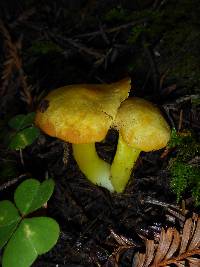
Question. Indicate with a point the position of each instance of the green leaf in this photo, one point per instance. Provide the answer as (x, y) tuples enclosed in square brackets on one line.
[(32, 238), (22, 121), (24, 138), (31, 195), (8, 213), (9, 218)]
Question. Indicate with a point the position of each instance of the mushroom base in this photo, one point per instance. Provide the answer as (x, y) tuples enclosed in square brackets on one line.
[(123, 164), (94, 168)]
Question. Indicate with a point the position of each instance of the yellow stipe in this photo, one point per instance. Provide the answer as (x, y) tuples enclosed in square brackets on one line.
[(123, 164), (94, 168)]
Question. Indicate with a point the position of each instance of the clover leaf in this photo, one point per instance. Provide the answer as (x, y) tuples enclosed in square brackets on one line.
[(31, 195), (22, 121), (24, 138), (33, 237), (26, 238)]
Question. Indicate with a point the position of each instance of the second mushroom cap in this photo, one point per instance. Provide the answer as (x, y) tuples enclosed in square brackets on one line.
[(142, 125)]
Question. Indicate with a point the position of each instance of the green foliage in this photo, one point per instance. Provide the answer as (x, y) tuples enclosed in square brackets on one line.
[(136, 33), (26, 238), (182, 139), (175, 139), (38, 194), (172, 32), (184, 175), (21, 121), (32, 238), (186, 64), (151, 26), (117, 14), (24, 138), (44, 47), (24, 131), (120, 14), (196, 192), (195, 101), (186, 145), (8, 221)]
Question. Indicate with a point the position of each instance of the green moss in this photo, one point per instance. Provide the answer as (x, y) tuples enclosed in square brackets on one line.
[(184, 174), (117, 14), (44, 47), (173, 31), (136, 33), (175, 139), (196, 193), (195, 100), (120, 14), (185, 64), (186, 145)]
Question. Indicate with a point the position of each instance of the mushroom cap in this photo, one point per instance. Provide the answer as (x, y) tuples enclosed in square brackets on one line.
[(142, 125), (81, 113)]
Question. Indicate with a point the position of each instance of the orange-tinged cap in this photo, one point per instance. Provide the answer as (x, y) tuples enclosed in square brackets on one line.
[(81, 113), (142, 125)]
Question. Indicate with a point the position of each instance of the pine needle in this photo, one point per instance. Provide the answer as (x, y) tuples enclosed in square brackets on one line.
[(13, 64)]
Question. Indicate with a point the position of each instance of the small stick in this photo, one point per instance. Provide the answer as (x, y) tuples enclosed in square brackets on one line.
[(180, 120), (12, 182), (110, 30), (21, 157)]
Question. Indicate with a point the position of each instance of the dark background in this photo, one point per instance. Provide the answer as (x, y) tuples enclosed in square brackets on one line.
[(48, 44)]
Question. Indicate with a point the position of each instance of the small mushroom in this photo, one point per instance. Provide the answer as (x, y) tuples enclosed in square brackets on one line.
[(141, 128), (82, 115)]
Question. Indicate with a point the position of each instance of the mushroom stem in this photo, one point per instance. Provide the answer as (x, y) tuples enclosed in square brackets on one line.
[(94, 168), (122, 165)]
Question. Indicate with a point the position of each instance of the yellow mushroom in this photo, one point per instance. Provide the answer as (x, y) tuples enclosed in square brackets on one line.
[(141, 128), (82, 115)]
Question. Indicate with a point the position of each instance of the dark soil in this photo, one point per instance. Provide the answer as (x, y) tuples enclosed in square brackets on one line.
[(62, 42)]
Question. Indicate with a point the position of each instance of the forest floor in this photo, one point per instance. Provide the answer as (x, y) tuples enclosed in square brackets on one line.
[(48, 45)]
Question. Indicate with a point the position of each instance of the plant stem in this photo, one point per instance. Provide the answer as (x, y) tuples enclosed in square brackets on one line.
[(122, 165), (94, 168)]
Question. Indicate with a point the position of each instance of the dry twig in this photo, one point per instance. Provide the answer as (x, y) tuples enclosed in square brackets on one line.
[(12, 182), (23, 17), (111, 30), (123, 244)]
